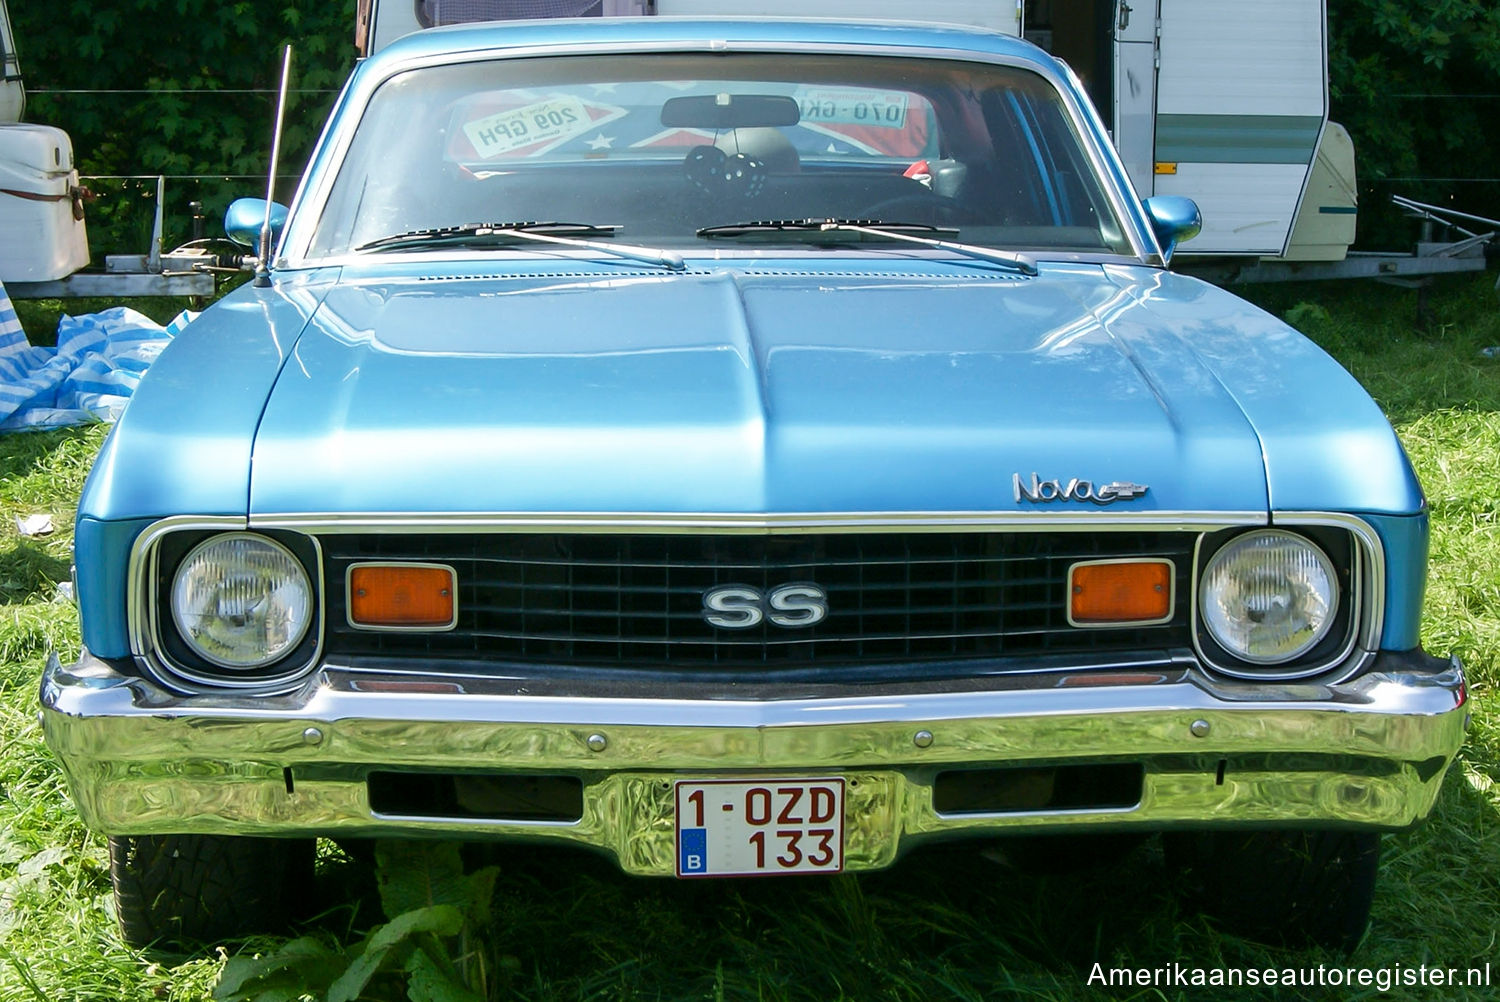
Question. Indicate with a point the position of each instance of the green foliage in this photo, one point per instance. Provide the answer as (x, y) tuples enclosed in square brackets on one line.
[(436, 914), (1404, 75), (212, 51)]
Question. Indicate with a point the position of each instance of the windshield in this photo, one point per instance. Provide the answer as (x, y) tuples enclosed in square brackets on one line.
[(664, 146)]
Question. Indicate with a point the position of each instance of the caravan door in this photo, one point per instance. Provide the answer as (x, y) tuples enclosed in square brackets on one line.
[(1135, 90), (12, 96), (1241, 101)]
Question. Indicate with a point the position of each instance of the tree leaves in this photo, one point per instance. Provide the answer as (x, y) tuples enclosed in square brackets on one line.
[(215, 68), (1414, 82)]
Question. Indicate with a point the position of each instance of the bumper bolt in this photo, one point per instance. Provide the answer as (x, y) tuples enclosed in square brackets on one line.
[(922, 739), (312, 736), (1199, 728), (597, 742)]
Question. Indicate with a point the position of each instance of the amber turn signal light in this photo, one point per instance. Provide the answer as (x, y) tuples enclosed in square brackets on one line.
[(402, 596), (1111, 592)]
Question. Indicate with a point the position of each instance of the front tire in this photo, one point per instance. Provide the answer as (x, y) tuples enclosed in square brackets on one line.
[(1291, 888), (172, 890)]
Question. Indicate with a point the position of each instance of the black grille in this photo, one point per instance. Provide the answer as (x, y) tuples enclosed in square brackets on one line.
[(636, 600)]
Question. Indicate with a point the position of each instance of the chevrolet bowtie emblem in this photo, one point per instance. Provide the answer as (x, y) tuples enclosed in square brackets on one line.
[(1039, 491)]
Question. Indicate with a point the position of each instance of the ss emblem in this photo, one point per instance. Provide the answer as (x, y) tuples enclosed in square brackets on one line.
[(739, 607)]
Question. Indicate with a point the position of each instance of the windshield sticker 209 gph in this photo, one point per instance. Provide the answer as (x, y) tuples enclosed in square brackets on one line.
[(1040, 491)]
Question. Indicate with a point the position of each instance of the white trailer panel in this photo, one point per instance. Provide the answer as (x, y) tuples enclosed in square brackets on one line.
[(1247, 208), (1241, 103), (1228, 57)]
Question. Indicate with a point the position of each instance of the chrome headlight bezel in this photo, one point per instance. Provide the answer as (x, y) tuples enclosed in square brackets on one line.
[(159, 642), (1339, 554)]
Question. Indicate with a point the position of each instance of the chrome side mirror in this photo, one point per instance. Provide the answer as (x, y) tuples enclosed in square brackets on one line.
[(245, 216), (1173, 220)]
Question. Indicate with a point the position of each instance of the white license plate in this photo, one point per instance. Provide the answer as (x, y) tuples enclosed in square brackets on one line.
[(728, 828)]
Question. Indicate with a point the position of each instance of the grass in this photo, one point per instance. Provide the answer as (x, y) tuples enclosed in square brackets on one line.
[(947, 923)]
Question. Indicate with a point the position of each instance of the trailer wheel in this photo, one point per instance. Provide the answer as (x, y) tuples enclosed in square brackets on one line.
[(172, 890), (1293, 888)]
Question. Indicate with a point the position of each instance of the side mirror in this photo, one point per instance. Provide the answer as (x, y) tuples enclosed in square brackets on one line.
[(245, 217), (1173, 220)]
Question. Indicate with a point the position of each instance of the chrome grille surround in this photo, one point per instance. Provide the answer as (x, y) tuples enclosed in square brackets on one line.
[(327, 529)]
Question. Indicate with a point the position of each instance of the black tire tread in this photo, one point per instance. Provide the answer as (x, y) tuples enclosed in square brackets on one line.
[(172, 890)]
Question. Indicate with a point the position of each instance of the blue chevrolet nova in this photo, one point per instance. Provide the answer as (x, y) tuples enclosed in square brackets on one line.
[(743, 449)]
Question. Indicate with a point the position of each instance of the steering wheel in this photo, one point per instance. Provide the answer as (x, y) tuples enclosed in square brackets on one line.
[(914, 207)]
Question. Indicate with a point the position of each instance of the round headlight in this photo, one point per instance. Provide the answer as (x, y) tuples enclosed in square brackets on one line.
[(241, 600), (1268, 596)]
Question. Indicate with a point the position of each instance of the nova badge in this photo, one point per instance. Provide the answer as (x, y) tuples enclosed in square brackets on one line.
[(1041, 491), (739, 607)]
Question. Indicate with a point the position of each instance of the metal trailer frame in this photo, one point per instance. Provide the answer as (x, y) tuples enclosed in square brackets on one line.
[(1414, 270)]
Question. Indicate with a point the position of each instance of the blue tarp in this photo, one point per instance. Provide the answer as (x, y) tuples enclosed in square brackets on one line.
[(89, 376)]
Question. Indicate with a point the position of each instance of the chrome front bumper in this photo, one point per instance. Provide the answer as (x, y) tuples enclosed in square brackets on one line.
[(1371, 752)]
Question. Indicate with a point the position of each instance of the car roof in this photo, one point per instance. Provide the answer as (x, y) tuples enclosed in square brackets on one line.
[(672, 31)]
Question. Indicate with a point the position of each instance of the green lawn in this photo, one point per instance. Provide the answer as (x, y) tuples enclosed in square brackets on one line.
[(961, 923)]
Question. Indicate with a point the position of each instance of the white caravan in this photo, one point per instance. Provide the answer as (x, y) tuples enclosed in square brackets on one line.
[(1220, 100), (41, 203)]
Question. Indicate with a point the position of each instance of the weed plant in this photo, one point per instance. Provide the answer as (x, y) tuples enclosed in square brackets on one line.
[(957, 922)]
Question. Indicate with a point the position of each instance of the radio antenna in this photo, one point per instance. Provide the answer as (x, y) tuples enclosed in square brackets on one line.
[(263, 262)]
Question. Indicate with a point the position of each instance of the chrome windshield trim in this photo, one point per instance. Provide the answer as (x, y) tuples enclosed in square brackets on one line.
[(777, 522), (309, 203)]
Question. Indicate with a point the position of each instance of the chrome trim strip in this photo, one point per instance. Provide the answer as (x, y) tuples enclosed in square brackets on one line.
[(310, 203), (1117, 624), (1163, 660), (366, 627), (769, 523)]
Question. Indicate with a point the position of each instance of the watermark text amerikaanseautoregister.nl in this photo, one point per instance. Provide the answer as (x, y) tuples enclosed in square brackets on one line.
[(1382, 979)]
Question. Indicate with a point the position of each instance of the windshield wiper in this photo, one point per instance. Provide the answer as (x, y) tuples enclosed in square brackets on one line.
[(880, 229), (503, 234)]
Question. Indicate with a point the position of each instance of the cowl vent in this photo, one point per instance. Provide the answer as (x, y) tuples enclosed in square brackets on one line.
[(966, 278)]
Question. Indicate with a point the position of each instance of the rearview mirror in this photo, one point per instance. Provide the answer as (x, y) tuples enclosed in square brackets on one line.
[(245, 216), (730, 111)]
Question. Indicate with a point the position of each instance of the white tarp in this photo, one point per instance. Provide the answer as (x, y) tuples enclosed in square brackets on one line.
[(89, 376)]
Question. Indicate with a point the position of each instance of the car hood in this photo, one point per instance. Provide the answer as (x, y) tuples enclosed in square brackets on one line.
[(776, 388)]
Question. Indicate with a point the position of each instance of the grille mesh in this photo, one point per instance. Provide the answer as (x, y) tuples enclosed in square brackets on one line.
[(636, 600)]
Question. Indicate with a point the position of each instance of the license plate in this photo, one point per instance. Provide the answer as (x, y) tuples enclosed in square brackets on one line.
[(732, 828)]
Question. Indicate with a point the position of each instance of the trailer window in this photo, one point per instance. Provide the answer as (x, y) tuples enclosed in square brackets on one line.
[(667, 145)]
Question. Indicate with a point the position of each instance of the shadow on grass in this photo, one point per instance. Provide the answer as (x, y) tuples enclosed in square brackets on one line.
[(27, 570), (948, 921)]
